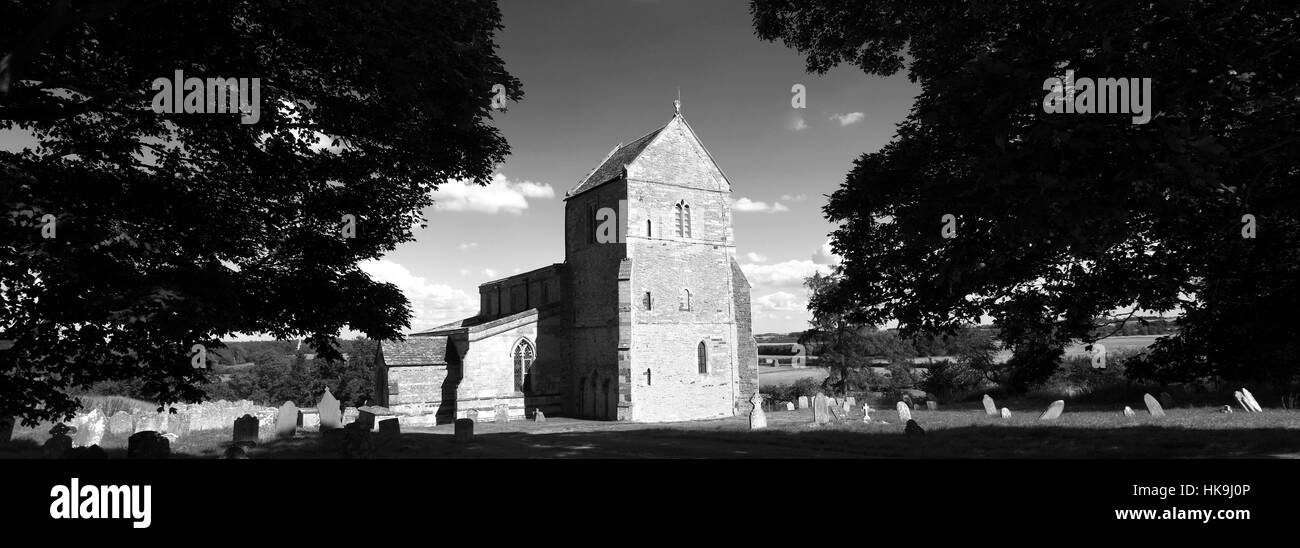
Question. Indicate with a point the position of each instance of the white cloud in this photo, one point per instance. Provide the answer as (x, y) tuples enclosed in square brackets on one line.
[(432, 304), (467, 245), (489, 273), (781, 301), (464, 272), (755, 258), (788, 274), (848, 119), (501, 195), (825, 256), (794, 197), (745, 205), (799, 124)]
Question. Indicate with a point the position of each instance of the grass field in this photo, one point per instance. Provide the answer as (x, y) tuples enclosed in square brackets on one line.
[(959, 432)]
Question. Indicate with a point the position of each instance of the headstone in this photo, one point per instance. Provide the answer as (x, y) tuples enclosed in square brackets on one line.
[(150, 422), (502, 415), (803, 402), (6, 430), (121, 423), (990, 408), (90, 429), (1128, 412), (847, 408), (1153, 406), (56, 446), (757, 419), (1241, 399), (93, 452), (328, 408), (789, 406), (390, 429), (932, 405), (147, 445), (464, 430), (1250, 400), (1006, 413), (913, 429), (357, 442), (850, 402), (366, 418), (904, 412), (1226, 409), (866, 413), (310, 421), (539, 416), (838, 414), (1053, 411), (1166, 400), (821, 409), (286, 420), (246, 430), (916, 406), (349, 415)]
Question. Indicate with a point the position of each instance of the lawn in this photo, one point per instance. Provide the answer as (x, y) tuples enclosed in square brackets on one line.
[(961, 432)]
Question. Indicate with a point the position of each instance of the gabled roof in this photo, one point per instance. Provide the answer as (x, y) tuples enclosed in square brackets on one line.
[(612, 167), (415, 351)]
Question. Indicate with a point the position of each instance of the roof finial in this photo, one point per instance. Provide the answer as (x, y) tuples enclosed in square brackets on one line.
[(677, 105)]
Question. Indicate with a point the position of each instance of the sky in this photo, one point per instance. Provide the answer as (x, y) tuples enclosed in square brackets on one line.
[(597, 73)]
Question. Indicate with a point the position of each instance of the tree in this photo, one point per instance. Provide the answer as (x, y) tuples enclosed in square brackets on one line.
[(839, 343), (172, 230), (1072, 216)]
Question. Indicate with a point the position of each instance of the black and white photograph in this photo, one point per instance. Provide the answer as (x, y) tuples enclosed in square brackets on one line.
[(1056, 243)]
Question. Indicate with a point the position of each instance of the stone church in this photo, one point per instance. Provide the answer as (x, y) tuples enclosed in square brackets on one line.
[(652, 326)]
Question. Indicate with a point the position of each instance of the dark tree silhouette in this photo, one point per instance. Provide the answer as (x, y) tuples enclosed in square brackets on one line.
[(179, 229), (1063, 218)]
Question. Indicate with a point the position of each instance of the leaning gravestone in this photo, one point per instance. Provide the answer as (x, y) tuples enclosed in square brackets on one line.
[(1053, 411), (838, 413), (821, 409), (1241, 399), (1006, 413), (464, 430), (1153, 406), (803, 402), (904, 412), (286, 420), (246, 430), (331, 417), (502, 413), (147, 445), (1128, 412), (757, 419), (990, 408), (1250, 400), (539, 416), (120, 423)]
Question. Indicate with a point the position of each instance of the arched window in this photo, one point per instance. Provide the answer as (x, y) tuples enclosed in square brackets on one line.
[(684, 303), (702, 355), (523, 355), (646, 301), (683, 211)]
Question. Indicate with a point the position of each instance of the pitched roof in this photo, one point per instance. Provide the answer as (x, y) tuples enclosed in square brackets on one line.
[(613, 164), (415, 351)]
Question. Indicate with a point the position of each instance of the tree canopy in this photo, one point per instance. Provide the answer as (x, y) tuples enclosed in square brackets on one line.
[(129, 236), (1061, 219)]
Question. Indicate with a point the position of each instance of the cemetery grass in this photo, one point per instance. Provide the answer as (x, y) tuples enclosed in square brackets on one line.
[(956, 433)]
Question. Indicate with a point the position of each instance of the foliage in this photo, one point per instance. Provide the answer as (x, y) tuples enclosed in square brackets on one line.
[(175, 230), (303, 381), (839, 343), (791, 392), (1073, 216)]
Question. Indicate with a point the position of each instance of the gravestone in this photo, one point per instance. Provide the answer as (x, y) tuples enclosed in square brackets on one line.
[(866, 413), (56, 446), (349, 415), (330, 416), (803, 402), (1153, 406), (121, 423), (838, 414), (357, 442), (848, 408), (149, 421), (246, 430), (1006, 413), (1166, 400), (913, 429), (502, 413), (907, 398), (1226, 409), (286, 420), (464, 430), (309, 420), (147, 445), (1241, 399), (821, 409), (366, 418), (757, 419), (904, 412), (6, 430), (990, 408), (539, 416), (916, 406), (1053, 411), (850, 402), (90, 429), (932, 405), (390, 430), (789, 406), (1250, 400), (1128, 412)]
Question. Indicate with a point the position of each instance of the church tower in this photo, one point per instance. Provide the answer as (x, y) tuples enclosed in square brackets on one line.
[(661, 321)]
